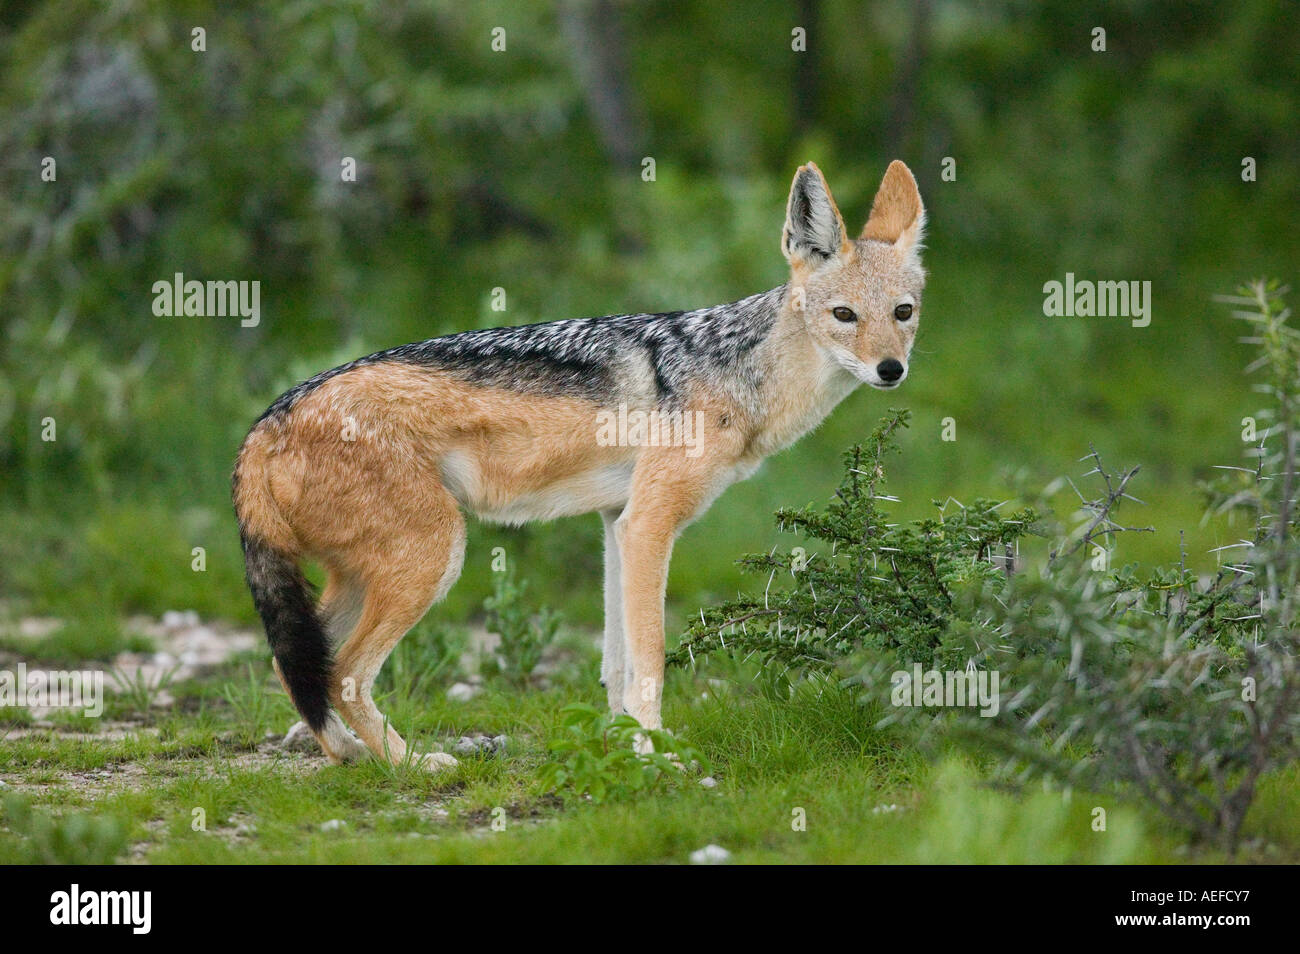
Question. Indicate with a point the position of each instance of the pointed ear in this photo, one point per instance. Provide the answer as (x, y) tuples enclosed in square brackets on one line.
[(814, 231), (897, 215)]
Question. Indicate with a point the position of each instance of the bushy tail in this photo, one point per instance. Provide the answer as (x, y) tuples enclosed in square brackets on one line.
[(301, 647)]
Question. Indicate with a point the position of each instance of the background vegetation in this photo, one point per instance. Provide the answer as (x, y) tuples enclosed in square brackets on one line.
[(522, 170)]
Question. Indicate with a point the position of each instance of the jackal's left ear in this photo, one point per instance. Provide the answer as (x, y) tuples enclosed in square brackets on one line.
[(814, 231), (897, 215)]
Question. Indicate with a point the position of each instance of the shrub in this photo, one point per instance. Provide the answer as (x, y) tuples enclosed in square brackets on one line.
[(1185, 691), (866, 583), (1181, 690)]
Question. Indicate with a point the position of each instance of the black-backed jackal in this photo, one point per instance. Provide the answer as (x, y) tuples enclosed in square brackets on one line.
[(368, 467)]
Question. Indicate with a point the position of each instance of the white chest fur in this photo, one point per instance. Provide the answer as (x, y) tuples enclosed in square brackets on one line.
[(603, 487)]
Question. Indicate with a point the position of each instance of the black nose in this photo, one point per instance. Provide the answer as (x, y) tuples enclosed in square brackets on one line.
[(890, 370)]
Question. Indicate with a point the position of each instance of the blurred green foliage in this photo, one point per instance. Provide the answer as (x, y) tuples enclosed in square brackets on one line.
[(521, 169), (31, 836), (523, 635)]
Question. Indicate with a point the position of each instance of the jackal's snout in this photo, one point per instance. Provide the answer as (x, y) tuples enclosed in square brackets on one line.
[(891, 371)]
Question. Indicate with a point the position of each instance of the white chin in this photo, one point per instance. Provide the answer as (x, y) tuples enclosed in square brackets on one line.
[(865, 375), (861, 373)]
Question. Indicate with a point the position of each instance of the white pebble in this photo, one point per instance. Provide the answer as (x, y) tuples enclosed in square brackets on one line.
[(462, 692), (710, 855)]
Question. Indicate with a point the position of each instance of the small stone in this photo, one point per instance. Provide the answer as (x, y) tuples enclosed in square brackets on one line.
[(462, 692), (334, 824), (38, 627), (710, 855), (709, 782), (480, 745), (175, 619)]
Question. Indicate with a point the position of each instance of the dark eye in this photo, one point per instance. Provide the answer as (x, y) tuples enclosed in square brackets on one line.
[(903, 312), (844, 314)]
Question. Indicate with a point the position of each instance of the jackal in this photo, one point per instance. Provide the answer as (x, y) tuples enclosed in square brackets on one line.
[(368, 468)]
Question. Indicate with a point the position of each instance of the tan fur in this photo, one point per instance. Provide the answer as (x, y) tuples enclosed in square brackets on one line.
[(369, 472), (897, 205), (374, 509)]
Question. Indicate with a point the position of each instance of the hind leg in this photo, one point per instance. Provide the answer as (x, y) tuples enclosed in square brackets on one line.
[(413, 567), (341, 603)]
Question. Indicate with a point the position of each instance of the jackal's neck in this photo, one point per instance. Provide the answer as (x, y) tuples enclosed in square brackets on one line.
[(799, 383)]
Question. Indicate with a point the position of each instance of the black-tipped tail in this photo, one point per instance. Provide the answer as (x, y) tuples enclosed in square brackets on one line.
[(283, 598)]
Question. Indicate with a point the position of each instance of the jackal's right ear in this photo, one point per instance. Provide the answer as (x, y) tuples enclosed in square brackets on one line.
[(897, 215), (814, 231)]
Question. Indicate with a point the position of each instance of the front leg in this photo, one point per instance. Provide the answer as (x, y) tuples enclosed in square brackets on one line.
[(669, 489), (671, 485), (612, 663), (646, 543)]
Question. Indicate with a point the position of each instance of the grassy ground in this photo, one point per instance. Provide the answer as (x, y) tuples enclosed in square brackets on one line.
[(204, 778), (128, 786)]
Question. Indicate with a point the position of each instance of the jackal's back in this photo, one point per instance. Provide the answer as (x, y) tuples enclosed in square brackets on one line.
[(606, 359)]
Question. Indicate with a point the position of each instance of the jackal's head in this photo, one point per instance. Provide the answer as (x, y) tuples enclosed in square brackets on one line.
[(860, 298)]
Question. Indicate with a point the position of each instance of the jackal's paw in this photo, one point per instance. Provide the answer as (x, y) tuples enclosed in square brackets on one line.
[(348, 749), (437, 762), (642, 745), (340, 745)]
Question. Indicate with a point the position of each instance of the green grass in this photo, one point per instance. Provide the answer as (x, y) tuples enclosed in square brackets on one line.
[(816, 756)]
